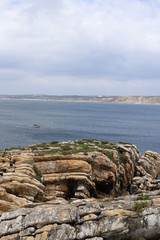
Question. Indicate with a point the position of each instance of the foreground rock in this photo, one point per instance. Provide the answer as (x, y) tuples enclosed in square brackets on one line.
[(85, 219), (79, 190)]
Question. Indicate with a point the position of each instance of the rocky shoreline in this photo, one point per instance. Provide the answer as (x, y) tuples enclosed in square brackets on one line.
[(79, 190)]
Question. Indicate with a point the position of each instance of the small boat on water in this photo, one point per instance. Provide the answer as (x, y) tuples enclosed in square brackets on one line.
[(35, 125)]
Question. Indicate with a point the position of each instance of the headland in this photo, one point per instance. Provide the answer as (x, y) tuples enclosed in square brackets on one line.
[(99, 98)]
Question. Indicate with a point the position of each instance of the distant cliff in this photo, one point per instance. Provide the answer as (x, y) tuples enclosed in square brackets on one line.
[(134, 99), (109, 99), (77, 190)]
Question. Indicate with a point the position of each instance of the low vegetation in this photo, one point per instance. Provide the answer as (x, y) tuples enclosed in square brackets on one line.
[(142, 197), (140, 202), (38, 174), (139, 206), (84, 146)]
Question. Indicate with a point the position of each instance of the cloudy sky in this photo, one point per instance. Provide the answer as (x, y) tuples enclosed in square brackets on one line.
[(83, 47)]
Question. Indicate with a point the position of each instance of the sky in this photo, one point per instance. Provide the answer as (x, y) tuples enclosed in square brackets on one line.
[(80, 47)]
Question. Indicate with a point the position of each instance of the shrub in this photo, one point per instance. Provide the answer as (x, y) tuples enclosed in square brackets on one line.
[(54, 142), (66, 147), (34, 147)]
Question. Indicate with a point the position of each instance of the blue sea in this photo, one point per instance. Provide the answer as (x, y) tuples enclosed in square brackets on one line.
[(137, 124)]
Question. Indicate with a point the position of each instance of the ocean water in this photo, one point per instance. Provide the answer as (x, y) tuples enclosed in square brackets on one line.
[(137, 124)]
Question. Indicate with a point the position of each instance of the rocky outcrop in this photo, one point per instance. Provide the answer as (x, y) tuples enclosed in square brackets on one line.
[(31, 178), (80, 190), (149, 163), (147, 171), (18, 185)]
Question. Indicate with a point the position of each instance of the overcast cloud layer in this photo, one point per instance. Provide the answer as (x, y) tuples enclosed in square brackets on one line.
[(85, 47)]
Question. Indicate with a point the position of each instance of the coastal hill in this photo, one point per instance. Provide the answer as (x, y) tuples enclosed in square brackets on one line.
[(134, 99), (100, 98), (76, 190)]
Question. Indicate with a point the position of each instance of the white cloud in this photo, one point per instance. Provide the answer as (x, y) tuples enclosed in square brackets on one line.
[(70, 43)]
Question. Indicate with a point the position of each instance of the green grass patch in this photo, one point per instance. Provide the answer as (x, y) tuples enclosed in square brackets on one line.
[(142, 197), (74, 147), (66, 147), (50, 151), (69, 200), (139, 206), (38, 173), (110, 146), (108, 154)]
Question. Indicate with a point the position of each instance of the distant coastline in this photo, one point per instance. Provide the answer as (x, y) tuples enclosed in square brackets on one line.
[(77, 98)]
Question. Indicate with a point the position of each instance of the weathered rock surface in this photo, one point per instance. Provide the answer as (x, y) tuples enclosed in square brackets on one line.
[(84, 219), (73, 196), (67, 176), (147, 171)]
